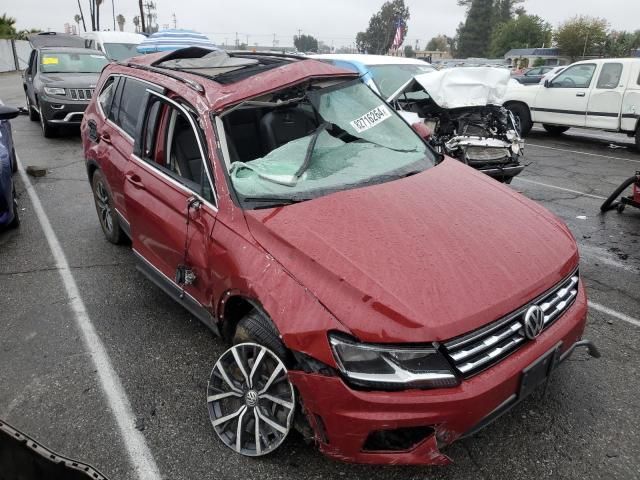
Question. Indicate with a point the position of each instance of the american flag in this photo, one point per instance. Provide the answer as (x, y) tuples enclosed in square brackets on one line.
[(397, 40)]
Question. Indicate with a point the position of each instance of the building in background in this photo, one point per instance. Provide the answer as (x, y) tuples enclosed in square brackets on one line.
[(432, 55), (527, 57)]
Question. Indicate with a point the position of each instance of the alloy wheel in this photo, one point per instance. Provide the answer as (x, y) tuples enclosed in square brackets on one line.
[(104, 207), (250, 399)]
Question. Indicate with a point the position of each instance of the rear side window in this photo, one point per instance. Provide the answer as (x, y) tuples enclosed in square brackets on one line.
[(609, 76), (130, 105), (106, 94)]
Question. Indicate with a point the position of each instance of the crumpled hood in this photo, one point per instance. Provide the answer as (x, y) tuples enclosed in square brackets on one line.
[(425, 258), (70, 80), (461, 87)]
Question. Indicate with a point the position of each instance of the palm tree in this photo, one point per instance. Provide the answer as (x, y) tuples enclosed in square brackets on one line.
[(77, 19), (121, 21), (136, 22), (142, 15), (7, 26), (98, 3)]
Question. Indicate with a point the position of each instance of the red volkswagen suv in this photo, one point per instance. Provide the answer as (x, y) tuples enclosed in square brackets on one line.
[(381, 298)]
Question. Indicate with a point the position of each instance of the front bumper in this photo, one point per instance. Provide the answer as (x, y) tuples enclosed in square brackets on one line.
[(343, 418), (62, 111)]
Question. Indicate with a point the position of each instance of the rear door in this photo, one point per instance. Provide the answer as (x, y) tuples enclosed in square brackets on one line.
[(565, 100), (171, 203), (605, 102), (120, 102)]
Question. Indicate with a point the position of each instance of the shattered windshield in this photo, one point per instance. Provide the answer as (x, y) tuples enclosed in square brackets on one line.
[(389, 78), (334, 138)]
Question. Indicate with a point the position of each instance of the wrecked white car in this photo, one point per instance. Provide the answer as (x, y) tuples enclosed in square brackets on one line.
[(462, 110)]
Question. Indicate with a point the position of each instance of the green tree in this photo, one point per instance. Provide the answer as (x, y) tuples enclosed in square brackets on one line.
[(440, 43), (539, 62), (7, 26), (121, 21), (379, 36), (305, 43), (409, 52), (525, 31), (582, 35), (24, 34), (475, 36), (621, 44)]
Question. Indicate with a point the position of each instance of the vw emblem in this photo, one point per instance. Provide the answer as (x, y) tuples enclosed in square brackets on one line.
[(251, 398), (533, 322)]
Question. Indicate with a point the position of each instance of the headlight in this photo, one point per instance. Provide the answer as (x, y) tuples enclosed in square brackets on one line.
[(391, 367), (54, 91)]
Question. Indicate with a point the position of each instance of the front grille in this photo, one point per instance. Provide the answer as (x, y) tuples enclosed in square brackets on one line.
[(81, 93), (478, 350)]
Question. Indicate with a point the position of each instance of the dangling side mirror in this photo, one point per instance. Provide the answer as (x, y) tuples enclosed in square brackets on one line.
[(422, 130)]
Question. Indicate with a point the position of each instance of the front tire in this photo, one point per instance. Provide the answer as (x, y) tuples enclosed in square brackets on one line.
[(523, 117), (33, 115), (106, 212), (555, 129), (250, 399), (48, 131), (254, 327)]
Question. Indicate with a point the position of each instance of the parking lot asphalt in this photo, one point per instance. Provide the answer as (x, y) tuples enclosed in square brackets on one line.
[(585, 426)]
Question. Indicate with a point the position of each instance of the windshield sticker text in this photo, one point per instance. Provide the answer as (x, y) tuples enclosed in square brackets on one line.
[(371, 119)]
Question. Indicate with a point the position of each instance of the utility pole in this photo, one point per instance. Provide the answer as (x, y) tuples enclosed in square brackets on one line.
[(299, 33), (175, 21), (274, 39), (113, 13), (237, 42), (247, 43)]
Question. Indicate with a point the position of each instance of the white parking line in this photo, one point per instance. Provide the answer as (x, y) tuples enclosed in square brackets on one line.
[(139, 454), (528, 144), (520, 179), (614, 313)]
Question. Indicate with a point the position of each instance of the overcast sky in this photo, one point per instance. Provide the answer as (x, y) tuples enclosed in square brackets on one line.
[(333, 21)]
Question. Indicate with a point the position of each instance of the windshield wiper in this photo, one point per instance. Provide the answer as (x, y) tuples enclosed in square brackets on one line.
[(312, 143), (274, 201)]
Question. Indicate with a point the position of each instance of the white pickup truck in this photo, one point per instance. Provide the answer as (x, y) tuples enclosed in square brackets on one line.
[(603, 94)]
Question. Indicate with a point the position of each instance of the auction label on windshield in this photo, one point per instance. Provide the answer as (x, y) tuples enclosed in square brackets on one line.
[(371, 119)]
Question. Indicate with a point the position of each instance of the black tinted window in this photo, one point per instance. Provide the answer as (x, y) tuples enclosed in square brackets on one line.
[(106, 94), (131, 99)]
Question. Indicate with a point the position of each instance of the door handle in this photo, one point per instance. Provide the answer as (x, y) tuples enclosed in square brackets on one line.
[(105, 137), (135, 180), (580, 94)]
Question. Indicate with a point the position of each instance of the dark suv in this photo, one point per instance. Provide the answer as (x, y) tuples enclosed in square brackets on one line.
[(59, 80), (289, 208)]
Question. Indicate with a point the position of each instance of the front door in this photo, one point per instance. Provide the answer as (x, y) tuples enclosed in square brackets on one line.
[(564, 101), (605, 102), (171, 203)]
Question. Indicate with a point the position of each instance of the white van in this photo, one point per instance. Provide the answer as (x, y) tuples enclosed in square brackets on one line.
[(115, 45), (602, 94)]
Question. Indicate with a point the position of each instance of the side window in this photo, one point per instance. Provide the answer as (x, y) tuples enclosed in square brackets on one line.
[(106, 94), (609, 76), (170, 143), (576, 76), (130, 104), (532, 72), (31, 68)]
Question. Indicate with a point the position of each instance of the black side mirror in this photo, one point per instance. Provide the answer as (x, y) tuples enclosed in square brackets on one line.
[(547, 83), (7, 113)]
